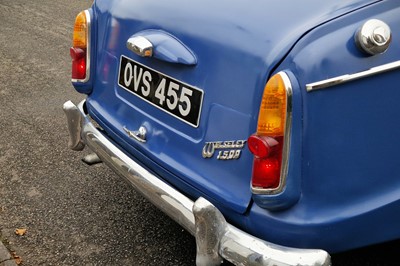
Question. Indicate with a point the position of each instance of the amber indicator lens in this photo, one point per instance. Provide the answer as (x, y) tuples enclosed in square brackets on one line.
[(79, 37), (271, 119)]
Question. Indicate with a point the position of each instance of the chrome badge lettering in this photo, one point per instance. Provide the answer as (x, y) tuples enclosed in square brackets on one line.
[(228, 150)]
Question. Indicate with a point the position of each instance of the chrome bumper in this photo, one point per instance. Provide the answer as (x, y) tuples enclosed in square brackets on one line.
[(215, 238)]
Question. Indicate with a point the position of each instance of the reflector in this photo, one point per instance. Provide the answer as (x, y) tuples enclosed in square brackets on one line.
[(261, 146)]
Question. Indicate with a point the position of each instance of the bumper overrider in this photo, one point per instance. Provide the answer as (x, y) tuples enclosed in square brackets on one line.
[(215, 238)]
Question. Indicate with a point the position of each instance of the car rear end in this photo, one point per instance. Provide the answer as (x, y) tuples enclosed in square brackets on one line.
[(215, 113)]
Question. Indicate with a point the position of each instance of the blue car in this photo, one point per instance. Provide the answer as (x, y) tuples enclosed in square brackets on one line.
[(267, 129)]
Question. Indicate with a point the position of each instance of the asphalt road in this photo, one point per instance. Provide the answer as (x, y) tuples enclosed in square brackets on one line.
[(74, 214)]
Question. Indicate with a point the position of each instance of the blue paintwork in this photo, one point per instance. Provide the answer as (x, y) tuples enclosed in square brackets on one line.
[(343, 179), (350, 183)]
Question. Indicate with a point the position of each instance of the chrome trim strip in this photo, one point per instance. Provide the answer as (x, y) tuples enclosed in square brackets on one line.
[(215, 238), (286, 145), (350, 77), (89, 42)]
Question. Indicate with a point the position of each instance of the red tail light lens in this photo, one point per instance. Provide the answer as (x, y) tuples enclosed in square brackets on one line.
[(270, 143), (266, 173), (78, 56), (80, 48), (262, 146)]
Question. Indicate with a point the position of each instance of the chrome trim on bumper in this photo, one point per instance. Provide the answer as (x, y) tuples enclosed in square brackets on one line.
[(215, 238), (74, 119)]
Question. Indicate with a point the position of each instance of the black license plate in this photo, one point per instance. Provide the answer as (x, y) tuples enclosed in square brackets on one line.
[(168, 94)]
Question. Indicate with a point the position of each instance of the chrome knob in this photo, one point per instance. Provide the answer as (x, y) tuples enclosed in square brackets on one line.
[(374, 37)]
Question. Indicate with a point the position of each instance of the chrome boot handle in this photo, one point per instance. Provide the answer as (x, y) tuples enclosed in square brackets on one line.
[(139, 135), (140, 46)]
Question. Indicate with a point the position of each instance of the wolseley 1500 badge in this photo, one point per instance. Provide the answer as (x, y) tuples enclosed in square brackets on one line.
[(229, 150)]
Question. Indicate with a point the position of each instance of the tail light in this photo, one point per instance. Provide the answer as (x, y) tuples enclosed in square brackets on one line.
[(80, 50), (270, 143)]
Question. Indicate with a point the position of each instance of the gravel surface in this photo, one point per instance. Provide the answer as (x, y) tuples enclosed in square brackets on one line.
[(74, 214)]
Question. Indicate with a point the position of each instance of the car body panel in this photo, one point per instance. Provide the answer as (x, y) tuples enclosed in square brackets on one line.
[(342, 177), (350, 186), (228, 99)]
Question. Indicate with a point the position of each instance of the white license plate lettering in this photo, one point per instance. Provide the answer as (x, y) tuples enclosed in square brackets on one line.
[(172, 96)]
